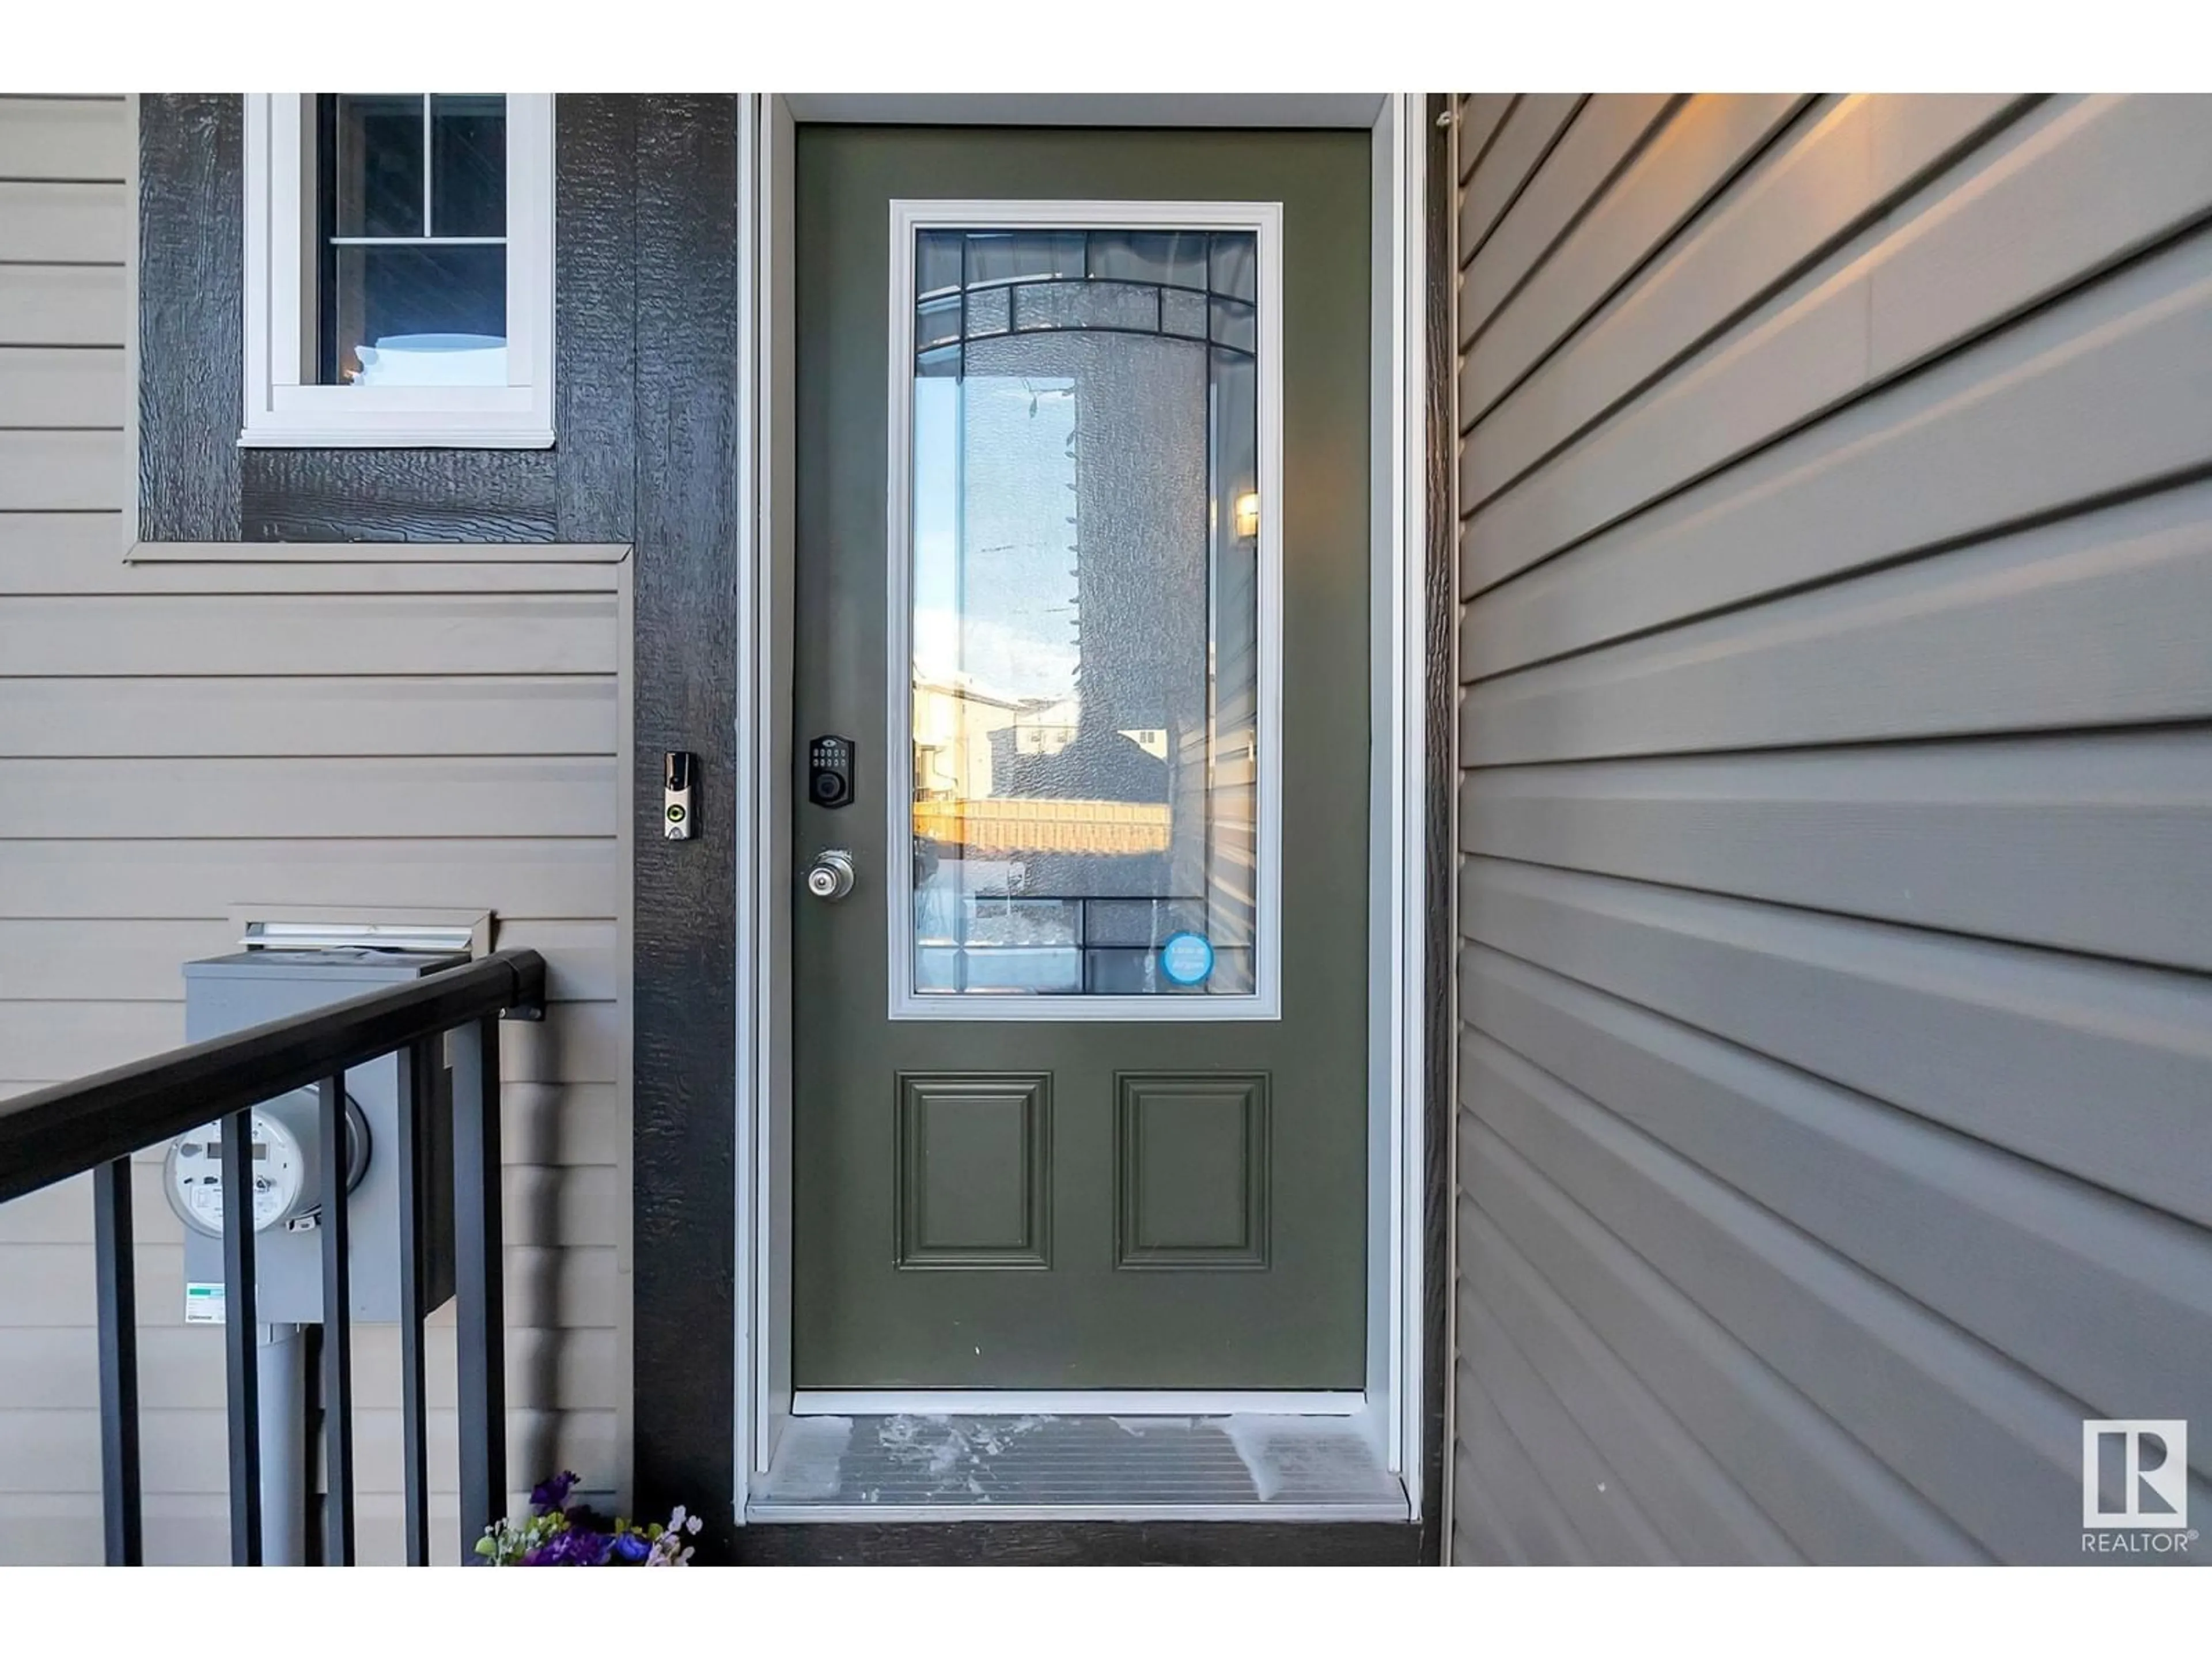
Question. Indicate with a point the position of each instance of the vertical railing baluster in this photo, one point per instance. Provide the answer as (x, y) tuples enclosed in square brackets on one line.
[(337, 1328), (312, 1542), (119, 1364), (239, 1307), (416, 1090), (480, 1318)]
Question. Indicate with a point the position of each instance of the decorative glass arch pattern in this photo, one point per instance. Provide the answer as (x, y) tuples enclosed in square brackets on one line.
[(974, 285)]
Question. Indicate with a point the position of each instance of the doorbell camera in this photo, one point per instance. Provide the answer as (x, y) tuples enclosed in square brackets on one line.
[(676, 795)]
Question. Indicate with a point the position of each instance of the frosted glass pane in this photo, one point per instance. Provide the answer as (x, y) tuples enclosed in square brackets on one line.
[(1182, 312), (1084, 626), (989, 310), (1086, 305)]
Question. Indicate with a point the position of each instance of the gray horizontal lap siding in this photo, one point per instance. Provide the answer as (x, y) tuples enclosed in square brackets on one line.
[(1835, 1125), (179, 738)]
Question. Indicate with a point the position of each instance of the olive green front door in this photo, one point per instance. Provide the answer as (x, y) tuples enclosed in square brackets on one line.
[(1081, 694)]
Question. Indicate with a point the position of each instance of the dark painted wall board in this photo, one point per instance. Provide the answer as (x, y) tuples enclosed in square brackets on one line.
[(685, 697), (191, 327), (595, 386), (397, 495)]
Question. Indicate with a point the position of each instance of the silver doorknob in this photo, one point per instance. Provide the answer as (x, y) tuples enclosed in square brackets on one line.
[(831, 875)]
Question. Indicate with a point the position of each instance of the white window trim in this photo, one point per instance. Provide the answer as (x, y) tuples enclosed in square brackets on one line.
[(1265, 221), (284, 409)]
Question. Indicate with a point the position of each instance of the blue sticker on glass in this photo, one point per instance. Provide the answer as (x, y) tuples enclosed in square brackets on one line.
[(1186, 959)]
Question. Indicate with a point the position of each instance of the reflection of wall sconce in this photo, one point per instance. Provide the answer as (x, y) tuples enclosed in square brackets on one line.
[(1248, 515)]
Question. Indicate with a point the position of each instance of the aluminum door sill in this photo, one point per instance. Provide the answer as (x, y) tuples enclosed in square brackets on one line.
[(769, 1511), (1077, 1466), (1077, 1402)]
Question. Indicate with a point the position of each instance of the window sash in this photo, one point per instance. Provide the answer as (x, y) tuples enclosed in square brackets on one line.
[(284, 406)]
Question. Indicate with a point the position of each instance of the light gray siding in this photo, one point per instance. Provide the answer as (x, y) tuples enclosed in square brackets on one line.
[(320, 737), (1835, 813)]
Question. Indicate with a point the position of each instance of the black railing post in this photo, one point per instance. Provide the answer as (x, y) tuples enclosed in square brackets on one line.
[(119, 1364), (417, 1081), (337, 1327), (480, 1316), (239, 1334)]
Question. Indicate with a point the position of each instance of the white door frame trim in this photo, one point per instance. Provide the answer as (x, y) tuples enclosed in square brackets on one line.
[(1391, 1405)]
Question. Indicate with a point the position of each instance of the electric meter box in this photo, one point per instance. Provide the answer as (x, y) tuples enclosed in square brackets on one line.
[(229, 994)]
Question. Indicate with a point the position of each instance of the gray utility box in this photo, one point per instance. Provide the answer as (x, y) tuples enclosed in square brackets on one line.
[(229, 994)]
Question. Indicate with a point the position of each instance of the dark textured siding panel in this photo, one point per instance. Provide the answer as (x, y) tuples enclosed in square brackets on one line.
[(397, 495), (1836, 1011), (685, 926), (191, 315), (595, 320)]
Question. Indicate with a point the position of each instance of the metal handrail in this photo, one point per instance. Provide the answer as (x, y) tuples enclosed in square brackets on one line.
[(52, 1133), (95, 1124)]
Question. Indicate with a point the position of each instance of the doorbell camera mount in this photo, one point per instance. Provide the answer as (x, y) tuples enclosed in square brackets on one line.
[(676, 819), (829, 771)]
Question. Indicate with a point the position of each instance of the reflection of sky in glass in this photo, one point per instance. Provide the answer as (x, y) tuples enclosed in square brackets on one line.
[(994, 545)]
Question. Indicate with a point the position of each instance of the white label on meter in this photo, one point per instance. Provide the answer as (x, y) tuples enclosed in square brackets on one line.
[(204, 1304)]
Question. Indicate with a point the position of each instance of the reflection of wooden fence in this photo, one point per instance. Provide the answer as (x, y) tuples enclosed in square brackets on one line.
[(991, 825)]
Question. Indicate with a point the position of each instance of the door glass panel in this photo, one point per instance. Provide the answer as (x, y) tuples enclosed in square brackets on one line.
[(1085, 695)]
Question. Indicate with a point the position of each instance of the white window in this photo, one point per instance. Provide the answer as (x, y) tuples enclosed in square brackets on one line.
[(399, 270)]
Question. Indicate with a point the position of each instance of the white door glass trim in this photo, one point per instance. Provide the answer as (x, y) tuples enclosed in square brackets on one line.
[(909, 217)]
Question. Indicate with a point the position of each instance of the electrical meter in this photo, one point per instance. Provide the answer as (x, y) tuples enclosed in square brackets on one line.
[(280, 1165), (291, 1201)]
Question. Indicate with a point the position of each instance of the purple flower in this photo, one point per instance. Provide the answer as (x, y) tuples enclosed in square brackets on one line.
[(629, 1549), (572, 1549), (553, 1494)]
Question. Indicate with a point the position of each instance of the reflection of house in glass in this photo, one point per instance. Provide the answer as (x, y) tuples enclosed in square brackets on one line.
[(1085, 571)]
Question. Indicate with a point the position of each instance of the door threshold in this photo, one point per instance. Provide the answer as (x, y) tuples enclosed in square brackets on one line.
[(769, 1511), (913, 1466)]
